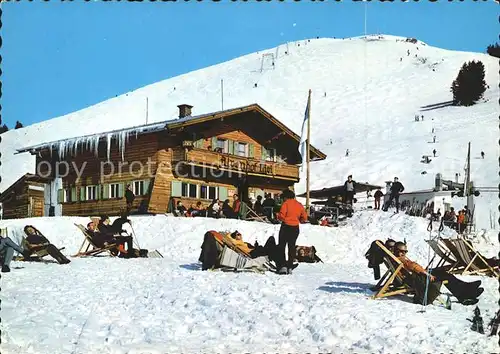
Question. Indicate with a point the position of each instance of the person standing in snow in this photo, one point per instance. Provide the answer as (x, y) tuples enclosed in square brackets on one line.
[(434, 139), (292, 213), (347, 153), (349, 190), (129, 198), (482, 154), (396, 189), (378, 194), (434, 152)]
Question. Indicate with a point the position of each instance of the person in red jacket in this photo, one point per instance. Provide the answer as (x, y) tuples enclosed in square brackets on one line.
[(292, 213)]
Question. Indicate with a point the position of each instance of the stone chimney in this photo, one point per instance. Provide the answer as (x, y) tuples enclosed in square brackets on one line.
[(184, 110)]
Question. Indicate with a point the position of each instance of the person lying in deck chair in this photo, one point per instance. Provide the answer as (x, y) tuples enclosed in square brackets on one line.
[(105, 236), (36, 242), (269, 249), (466, 293)]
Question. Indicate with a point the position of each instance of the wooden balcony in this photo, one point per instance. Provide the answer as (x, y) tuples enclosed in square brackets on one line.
[(235, 164)]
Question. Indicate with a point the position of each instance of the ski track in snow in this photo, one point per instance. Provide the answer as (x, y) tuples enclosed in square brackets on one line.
[(105, 305), (369, 109)]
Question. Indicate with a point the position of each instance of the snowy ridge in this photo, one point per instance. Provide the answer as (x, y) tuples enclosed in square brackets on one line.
[(104, 305), (373, 90)]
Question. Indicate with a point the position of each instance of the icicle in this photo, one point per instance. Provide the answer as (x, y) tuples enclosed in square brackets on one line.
[(108, 152), (96, 145)]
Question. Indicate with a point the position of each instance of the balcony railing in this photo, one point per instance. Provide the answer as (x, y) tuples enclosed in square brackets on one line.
[(234, 163)]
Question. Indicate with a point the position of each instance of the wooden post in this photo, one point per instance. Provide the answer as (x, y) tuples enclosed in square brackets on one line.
[(308, 152)]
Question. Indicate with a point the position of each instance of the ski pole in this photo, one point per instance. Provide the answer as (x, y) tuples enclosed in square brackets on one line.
[(134, 236)]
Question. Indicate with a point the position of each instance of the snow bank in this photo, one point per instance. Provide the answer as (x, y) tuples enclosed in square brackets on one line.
[(104, 305)]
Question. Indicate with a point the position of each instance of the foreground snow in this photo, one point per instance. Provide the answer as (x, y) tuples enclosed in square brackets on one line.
[(104, 305)]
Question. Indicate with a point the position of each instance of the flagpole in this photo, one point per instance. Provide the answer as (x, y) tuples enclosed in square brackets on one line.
[(308, 152)]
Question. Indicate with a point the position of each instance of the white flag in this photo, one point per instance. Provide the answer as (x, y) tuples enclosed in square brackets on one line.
[(303, 137)]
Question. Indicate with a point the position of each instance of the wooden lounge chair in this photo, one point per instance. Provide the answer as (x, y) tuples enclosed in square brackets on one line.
[(247, 213), (88, 247), (392, 282), (471, 261), (41, 249)]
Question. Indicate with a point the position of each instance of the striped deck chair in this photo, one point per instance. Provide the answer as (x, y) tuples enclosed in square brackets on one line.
[(235, 258), (471, 260), (447, 261), (392, 282), (237, 261)]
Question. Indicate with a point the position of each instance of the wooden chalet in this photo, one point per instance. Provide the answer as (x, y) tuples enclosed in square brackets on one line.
[(244, 151), (24, 198)]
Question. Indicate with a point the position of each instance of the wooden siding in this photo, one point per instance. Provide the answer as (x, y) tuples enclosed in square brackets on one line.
[(16, 204), (162, 188), (253, 166), (138, 164)]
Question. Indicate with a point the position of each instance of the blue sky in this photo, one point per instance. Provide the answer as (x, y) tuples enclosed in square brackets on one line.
[(59, 57)]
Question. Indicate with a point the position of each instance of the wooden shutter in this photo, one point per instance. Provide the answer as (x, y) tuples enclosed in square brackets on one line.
[(198, 143), (98, 192), (73, 194), (222, 193), (251, 151), (230, 147), (60, 196), (214, 143), (105, 191), (121, 190), (146, 186), (176, 189), (82, 194)]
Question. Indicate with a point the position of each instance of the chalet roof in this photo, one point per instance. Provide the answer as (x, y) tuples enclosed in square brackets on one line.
[(122, 135)]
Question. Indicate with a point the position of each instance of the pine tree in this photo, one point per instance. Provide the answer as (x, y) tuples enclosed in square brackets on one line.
[(3, 129), (18, 125), (493, 50), (469, 86)]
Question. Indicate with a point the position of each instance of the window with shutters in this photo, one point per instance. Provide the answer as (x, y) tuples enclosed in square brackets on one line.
[(91, 193), (241, 149), (138, 188), (114, 190)]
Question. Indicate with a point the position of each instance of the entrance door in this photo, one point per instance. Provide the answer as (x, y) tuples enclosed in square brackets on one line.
[(37, 207)]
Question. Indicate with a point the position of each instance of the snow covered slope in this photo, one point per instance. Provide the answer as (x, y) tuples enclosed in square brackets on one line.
[(104, 305), (373, 90)]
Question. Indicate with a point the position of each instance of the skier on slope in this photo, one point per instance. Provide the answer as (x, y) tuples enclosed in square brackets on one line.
[(396, 189)]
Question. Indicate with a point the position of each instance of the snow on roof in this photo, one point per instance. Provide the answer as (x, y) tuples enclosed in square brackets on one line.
[(91, 141)]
